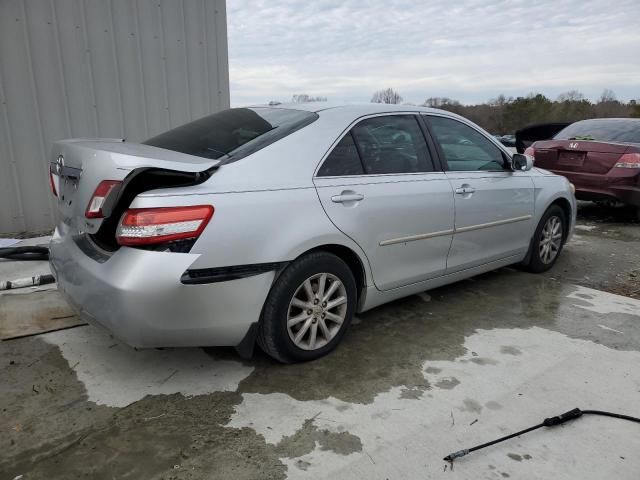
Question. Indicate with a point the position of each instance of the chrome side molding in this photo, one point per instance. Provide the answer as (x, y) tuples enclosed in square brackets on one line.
[(480, 226)]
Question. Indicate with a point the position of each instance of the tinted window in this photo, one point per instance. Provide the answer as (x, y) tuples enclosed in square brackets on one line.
[(343, 160), (465, 148), (608, 130), (236, 132), (392, 144)]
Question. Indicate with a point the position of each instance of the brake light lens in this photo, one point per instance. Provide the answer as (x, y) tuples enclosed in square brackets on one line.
[(530, 151), (99, 197), (149, 226), (629, 160)]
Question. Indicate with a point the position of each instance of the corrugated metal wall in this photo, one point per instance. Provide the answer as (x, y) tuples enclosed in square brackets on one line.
[(98, 68)]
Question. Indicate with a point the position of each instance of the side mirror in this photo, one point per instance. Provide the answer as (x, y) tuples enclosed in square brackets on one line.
[(521, 162)]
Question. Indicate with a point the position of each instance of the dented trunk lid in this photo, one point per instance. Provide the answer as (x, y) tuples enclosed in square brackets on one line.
[(79, 165)]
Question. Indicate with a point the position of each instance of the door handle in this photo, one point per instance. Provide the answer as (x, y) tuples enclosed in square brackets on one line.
[(347, 197), (464, 190)]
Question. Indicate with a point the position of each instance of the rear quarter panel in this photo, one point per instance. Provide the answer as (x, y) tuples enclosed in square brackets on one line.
[(257, 226)]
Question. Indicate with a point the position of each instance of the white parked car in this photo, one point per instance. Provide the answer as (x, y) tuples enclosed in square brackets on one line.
[(278, 223)]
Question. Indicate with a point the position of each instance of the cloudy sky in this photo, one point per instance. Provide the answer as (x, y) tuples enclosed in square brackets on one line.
[(470, 50)]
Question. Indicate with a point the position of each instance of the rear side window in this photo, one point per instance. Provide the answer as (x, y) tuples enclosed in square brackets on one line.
[(233, 133), (343, 160), (607, 130), (392, 144), (464, 148)]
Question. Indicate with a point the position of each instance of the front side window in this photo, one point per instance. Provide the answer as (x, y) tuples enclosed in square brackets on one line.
[(233, 133), (464, 148), (392, 144)]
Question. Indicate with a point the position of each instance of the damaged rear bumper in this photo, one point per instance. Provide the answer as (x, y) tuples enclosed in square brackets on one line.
[(138, 296)]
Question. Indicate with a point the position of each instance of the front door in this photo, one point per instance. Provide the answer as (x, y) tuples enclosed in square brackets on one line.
[(379, 187), (493, 204)]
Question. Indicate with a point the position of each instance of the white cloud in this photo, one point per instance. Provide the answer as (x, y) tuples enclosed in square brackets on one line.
[(471, 51)]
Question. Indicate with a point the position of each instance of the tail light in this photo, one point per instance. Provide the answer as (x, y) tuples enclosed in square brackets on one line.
[(52, 184), (629, 160), (100, 194), (530, 151), (149, 226)]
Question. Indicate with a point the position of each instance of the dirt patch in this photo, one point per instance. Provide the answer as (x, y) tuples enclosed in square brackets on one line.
[(604, 252), (627, 284)]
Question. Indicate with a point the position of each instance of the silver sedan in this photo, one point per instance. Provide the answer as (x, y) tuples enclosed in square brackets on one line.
[(277, 224)]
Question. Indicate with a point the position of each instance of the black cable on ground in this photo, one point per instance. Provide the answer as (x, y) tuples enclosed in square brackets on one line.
[(609, 414), (548, 422), (33, 252), (36, 252)]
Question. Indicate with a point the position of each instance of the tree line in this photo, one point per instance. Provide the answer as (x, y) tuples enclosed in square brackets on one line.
[(503, 115), (506, 115)]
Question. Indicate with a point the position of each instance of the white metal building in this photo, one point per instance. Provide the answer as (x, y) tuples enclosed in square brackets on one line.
[(98, 68)]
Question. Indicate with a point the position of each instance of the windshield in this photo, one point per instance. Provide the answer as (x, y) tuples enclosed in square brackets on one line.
[(622, 130), (233, 133)]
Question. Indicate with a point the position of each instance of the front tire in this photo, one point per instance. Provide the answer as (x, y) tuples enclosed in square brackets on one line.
[(548, 240), (308, 309)]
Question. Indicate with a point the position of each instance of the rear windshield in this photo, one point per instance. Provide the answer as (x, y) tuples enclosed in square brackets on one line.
[(608, 130), (233, 133)]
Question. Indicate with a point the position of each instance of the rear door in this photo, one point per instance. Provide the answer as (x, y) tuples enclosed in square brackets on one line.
[(493, 204), (380, 187)]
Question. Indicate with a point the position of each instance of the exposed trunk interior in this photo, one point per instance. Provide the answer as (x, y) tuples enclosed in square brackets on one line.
[(139, 181)]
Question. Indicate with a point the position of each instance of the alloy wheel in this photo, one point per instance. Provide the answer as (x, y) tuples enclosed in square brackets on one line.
[(317, 311), (550, 240)]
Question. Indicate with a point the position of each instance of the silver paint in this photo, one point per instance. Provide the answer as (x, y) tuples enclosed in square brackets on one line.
[(411, 232)]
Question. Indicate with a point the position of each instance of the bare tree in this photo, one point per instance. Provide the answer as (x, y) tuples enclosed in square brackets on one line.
[(608, 96), (388, 95), (608, 106), (570, 96), (305, 98), (499, 101)]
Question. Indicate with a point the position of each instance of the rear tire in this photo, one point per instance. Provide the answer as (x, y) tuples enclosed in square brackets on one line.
[(548, 240), (308, 309)]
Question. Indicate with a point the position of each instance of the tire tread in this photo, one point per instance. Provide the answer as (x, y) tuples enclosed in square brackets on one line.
[(534, 264), (268, 334)]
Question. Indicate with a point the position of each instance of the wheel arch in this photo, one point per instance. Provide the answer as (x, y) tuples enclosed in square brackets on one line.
[(353, 261), (565, 205)]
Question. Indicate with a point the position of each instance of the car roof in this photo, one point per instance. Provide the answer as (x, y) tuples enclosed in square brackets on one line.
[(610, 119), (356, 108)]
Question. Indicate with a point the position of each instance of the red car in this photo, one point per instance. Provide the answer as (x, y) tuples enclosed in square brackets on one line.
[(601, 157)]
